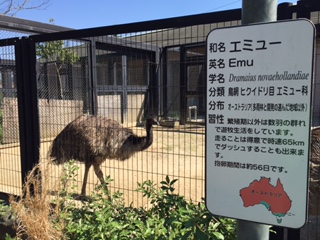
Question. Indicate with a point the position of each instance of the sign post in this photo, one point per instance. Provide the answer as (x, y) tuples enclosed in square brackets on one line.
[(259, 92)]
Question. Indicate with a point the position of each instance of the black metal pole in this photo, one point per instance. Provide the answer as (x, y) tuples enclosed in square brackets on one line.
[(28, 111), (93, 94), (255, 11), (183, 86)]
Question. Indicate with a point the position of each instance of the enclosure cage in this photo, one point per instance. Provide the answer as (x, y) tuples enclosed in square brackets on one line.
[(124, 72)]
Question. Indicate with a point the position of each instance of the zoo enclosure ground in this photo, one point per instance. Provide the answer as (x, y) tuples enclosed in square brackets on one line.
[(176, 152)]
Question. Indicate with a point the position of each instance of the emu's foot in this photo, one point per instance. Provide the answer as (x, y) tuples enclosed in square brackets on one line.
[(82, 198)]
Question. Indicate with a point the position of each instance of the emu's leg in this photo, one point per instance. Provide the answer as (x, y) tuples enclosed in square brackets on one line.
[(99, 174), (85, 179)]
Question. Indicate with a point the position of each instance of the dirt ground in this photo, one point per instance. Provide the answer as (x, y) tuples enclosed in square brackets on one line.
[(176, 152)]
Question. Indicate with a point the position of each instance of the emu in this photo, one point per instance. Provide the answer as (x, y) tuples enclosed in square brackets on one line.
[(93, 139), (314, 187)]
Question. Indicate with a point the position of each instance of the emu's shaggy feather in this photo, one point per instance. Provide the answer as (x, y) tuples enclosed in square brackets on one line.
[(93, 139), (315, 171)]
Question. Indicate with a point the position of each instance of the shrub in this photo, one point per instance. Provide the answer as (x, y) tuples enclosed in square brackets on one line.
[(104, 216)]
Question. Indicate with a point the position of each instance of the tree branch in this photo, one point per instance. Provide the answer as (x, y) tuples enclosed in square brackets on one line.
[(12, 7)]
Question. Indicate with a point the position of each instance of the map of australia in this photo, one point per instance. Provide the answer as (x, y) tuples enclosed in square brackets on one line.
[(274, 198)]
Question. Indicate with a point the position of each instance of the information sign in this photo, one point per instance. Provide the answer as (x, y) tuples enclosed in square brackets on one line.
[(259, 91)]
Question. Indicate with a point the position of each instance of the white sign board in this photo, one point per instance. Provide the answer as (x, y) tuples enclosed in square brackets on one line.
[(259, 91)]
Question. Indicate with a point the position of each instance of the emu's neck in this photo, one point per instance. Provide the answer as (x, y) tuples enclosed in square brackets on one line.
[(135, 143), (149, 138)]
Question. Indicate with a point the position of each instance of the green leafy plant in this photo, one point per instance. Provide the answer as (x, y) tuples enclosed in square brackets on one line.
[(169, 217), (5, 209), (184, 219), (105, 216)]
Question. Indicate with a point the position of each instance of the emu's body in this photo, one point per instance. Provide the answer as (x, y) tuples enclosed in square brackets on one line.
[(315, 172), (93, 139)]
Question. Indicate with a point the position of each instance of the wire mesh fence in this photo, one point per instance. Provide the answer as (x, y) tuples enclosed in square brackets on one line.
[(10, 167), (311, 230), (131, 78)]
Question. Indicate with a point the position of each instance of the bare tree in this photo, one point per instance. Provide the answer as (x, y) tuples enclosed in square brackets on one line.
[(12, 7)]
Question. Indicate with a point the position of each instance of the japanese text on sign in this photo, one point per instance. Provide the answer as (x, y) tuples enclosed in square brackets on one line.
[(258, 102)]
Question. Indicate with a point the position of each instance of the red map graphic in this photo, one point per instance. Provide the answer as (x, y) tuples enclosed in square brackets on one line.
[(274, 198)]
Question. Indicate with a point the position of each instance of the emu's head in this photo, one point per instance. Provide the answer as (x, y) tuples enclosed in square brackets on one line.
[(151, 120)]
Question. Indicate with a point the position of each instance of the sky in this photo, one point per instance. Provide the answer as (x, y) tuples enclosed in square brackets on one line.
[(79, 14)]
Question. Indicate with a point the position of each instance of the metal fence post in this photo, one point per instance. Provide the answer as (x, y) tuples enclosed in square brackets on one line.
[(254, 11), (28, 111), (92, 100)]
